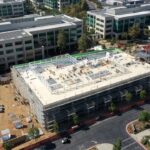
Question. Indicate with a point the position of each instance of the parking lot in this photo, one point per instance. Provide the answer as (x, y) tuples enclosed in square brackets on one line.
[(106, 131)]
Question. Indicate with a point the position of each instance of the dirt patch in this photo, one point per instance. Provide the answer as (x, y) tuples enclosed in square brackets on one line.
[(7, 98)]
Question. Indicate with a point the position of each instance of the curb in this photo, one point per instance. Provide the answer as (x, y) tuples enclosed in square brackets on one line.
[(132, 137)]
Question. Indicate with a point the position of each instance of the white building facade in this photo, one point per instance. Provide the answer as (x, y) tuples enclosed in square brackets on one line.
[(34, 37), (112, 22), (12, 8)]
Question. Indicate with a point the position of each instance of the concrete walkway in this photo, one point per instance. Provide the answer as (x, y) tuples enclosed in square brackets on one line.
[(138, 137), (104, 146)]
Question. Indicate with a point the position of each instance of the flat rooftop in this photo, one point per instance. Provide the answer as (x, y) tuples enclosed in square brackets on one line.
[(123, 11), (17, 34), (10, 1), (35, 21), (64, 78)]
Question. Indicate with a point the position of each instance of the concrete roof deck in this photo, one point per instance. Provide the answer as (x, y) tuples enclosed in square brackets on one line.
[(65, 77), (10, 1), (16, 34)]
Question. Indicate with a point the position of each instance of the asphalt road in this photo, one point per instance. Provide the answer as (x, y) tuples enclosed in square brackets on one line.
[(106, 131)]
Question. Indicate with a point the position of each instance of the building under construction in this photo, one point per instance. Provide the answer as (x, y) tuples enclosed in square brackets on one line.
[(61, 86)]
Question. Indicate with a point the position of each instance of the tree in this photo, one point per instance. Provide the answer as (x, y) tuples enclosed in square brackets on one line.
[(75, 119), (147, 32), (61, 41), (99, 5), (83, 43), (7, 145), (33, 133), (124, 35), (84, 5), (56, 127), (134, 31), (143, 94), (112, 107), (117, 145), (128, 96), (144, 116), (30, 7), (103, 46)]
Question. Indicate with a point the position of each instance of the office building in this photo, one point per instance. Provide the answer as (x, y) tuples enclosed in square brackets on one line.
[(12, 8), (59, 4), (65, 85), (112, 22), (124, 2), (33, 37)]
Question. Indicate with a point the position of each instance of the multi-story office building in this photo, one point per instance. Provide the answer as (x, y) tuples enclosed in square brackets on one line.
[(34, 37), (112, 22), (59, 87), (12, 8), (124, 2), (59, 4)]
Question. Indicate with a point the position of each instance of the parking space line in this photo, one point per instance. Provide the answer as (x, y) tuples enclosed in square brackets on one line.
[(129, 138), (125, 147)]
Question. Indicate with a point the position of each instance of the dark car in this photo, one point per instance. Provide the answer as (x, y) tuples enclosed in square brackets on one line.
[(65, 140)]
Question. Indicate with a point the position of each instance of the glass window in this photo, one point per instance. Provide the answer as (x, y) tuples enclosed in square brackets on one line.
[(19, 49), (29, 48), (1, 46), (18, 43), (1, 52), (42, 34), (28, 42), (9, 51), (8, 44)]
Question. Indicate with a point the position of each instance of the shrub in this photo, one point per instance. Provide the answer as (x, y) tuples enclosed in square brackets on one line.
[(145, 141)]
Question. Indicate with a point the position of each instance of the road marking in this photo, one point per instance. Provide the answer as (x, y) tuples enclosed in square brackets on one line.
[(95, 142), (125, 147), (82, 147), (99, 122), (129, 138)]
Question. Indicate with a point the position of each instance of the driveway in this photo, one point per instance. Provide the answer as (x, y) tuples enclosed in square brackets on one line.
[(106, 131)]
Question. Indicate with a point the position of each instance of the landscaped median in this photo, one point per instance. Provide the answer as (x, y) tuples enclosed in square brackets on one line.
[(139, 130)]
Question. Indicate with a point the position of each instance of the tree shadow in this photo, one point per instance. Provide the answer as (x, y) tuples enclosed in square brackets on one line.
[(49, 146), (84, 127), (65, 134), (139, 108)]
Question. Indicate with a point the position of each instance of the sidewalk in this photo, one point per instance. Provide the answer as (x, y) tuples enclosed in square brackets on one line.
[(104, 146), (138, 137)]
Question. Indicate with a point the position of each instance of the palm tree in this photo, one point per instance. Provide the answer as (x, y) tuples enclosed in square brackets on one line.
[(75, 119), (117, 145), (146, 32), (112, 107), (128, 96), (56, 127), (124, 35), (134, 31), (143, 94), (61, 41)]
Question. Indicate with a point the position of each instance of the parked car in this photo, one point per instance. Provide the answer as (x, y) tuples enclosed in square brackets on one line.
[(2, 106), (2, 109), (65, 140)]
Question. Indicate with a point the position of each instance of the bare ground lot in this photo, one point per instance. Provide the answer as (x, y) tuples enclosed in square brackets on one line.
[(7, 98)]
